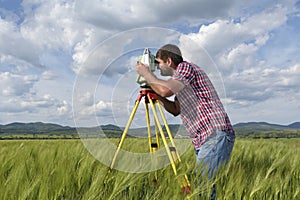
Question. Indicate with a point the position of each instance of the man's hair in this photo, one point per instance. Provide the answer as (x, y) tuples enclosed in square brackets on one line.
[(170, 51)]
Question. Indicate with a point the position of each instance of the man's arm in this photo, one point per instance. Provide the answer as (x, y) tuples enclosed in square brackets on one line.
[(172, 107), (164, 88), (161, 87)]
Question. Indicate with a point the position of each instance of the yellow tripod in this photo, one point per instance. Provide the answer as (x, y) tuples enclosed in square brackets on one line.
[(151, 97)]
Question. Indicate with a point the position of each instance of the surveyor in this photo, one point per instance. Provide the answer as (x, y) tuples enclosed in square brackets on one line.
[(198, 104)]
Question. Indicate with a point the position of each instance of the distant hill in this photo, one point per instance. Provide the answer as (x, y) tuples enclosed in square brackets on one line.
[(35, 126), (259, 126), (295, 125), (267, 130), (36, 130), (248, 129), (111, 127), (264, 126)]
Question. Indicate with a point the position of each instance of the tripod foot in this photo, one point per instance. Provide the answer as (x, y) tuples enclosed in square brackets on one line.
[(107, 176), (154, 181), (186, 189)]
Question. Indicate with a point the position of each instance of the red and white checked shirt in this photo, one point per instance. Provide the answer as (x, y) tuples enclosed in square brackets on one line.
[(201, 110)]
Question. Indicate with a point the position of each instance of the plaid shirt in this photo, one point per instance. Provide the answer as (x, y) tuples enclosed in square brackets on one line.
[(201, 110)]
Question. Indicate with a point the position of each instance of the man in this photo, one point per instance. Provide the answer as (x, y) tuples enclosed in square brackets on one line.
[(197, 101)]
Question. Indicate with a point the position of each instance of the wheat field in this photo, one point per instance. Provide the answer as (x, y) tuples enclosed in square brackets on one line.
[(64, 169)]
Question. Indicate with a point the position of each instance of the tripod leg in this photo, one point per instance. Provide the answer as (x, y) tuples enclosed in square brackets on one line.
[(156, 132), (168, 130), (124, 134), (186, 185), (152, 146), (148, 127), (163, 136)]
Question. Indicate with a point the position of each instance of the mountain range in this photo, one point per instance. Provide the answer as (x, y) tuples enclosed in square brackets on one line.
[(264, 126), (248, 129)]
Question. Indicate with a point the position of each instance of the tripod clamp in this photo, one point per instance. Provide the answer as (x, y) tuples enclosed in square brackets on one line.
[(148, 93)]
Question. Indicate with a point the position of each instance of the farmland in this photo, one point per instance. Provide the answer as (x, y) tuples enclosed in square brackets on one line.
[(64, 169)]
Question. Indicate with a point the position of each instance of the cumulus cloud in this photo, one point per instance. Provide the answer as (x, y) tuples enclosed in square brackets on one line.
[(16, 85), (102, 108), (27, 104), (228, 36), (86, 99), (63, 108), (259, 84), (50, 24), (15, 45), (9, 15), (234, 47), (48, 75), (54, 35), (120, 15), (117, 15), (35, 108)]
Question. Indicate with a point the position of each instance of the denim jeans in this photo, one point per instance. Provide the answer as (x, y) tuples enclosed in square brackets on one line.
[(214, 153)]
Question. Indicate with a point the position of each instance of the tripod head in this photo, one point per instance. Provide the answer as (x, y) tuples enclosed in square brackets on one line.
[(148, 59)]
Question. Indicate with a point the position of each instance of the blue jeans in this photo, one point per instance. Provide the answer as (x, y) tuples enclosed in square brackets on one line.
[(214, 153)]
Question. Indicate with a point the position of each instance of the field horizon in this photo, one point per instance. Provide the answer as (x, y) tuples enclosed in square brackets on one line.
[(40, 130)]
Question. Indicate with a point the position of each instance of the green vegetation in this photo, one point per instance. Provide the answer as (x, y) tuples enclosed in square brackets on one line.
[(270, 134), (64, 169)]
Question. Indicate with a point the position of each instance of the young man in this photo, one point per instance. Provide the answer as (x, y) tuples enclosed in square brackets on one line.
[(198, 104)]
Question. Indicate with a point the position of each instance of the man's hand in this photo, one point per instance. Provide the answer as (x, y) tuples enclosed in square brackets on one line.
[(142, 69), (164, 88)]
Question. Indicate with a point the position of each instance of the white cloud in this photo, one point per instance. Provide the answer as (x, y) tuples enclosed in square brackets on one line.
[(60, 36), (9, 15), (234, 47), (15, 45), (16, 85), (50, 24), (290, 77), (100, 108), (34, 108), (27, 104), (223, 36), (63, 108), (86, 99), (119, 15), (259, 84), (48, 75), (91, 62)]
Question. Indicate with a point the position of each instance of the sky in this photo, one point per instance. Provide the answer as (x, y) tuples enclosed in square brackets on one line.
[(72, 62)]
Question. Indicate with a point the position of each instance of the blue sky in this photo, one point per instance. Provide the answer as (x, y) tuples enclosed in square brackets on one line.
[(71, 62)]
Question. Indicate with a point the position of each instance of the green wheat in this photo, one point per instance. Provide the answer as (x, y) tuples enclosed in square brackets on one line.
[(64, 169)]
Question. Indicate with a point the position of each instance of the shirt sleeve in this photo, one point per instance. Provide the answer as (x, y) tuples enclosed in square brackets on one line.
[(184, 73)]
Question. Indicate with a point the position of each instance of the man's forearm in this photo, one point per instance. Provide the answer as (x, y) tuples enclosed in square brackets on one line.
[(170, 106), (159, 86), (162, 87)]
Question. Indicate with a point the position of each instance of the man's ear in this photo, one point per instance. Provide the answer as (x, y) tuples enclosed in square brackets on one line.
[(169, 61)]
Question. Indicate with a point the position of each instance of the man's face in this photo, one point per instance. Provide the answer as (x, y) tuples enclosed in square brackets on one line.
[(165, 69)]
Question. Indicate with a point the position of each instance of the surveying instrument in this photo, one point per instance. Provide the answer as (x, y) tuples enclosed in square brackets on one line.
[(150, 97)]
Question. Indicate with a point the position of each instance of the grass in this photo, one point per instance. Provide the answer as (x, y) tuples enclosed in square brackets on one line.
[(64, 169)]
